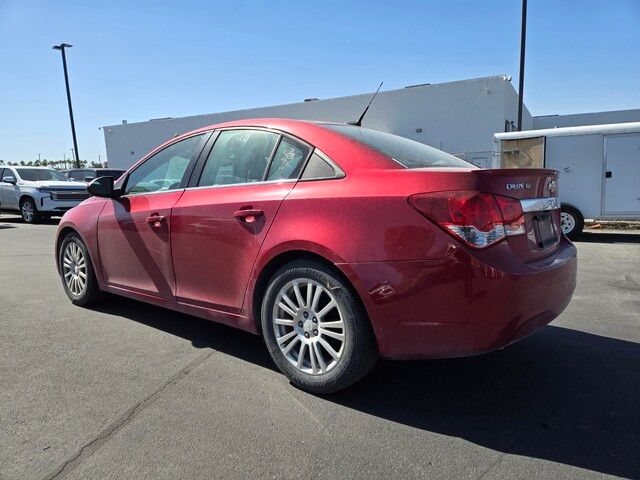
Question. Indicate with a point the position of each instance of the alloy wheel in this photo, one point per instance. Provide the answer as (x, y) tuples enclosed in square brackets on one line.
[(309, 326), (74, 268), (27, 211)]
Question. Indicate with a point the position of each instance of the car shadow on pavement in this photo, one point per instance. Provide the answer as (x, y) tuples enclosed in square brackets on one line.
[(560, 395), (606, 237), (201, 333), (18, 220)]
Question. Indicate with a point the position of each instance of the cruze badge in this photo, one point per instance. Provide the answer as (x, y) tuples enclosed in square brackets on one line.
[(518, 186)]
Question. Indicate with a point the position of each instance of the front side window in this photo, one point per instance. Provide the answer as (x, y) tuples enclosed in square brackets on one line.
[(166, 169), (238, 156), (288, 160), (39, 174), (409, 153)]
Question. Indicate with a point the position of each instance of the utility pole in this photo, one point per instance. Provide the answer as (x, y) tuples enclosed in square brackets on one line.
[(523, 38), (61, 47)]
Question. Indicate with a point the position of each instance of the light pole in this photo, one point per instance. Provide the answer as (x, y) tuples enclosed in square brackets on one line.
[(523, 39), (61, 47)]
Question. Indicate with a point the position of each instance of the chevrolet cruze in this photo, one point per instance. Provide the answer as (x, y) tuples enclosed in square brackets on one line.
[(337, 243)]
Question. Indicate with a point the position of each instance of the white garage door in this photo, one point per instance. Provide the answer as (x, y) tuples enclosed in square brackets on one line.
[(622, 174)]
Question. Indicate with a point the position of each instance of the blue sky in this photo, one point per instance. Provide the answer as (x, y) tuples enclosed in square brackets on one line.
[(138, 60)]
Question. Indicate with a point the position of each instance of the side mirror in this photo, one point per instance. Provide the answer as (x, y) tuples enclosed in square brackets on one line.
[(102, 187), (9, 179)]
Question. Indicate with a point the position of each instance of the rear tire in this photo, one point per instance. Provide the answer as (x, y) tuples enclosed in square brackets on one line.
[(321, 339), (76, 271), (29, 211), (572, 221)]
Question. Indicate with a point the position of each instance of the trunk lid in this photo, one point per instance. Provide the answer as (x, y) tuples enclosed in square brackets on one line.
[(537, 190)]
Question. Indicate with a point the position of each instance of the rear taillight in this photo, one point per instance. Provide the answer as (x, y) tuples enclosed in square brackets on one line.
[(479, 219)]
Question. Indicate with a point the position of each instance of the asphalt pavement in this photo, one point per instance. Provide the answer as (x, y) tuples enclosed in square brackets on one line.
[(127, 390)]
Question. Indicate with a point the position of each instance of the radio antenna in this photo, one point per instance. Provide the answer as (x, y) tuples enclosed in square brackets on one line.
[(359, 122)]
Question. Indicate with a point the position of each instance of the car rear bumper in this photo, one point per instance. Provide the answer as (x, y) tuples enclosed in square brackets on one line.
[(464, 304)]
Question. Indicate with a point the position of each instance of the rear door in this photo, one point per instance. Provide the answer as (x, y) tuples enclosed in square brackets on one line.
[(134, 231), (219, 224), (622, 174)]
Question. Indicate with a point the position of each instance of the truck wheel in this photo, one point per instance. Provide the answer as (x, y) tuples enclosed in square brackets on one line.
[(571, 221), (29, 212)]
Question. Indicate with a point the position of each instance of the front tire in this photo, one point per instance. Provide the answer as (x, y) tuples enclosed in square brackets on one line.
[(571, 221), (315, 328), (76, 271), (29, 211)]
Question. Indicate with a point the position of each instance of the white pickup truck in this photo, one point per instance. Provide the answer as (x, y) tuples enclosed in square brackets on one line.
[(37, 192)]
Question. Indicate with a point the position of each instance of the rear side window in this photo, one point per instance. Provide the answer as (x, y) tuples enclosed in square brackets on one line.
[(409, 153), (288, 160), (238, 156), (318, 168)]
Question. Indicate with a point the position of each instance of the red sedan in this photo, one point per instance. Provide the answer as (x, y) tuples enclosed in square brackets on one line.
[(337, 243)]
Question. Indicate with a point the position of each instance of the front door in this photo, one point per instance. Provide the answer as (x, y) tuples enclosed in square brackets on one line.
[(133, 238), (9, 192), (219, 225), (2, 185), (134, 231), (622, 174)]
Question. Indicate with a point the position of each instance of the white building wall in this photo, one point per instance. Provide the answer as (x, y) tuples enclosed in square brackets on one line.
[(458, 117), (593, 118)]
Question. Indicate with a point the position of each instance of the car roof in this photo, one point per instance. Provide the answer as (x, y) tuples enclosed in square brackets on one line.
[(332, 143)]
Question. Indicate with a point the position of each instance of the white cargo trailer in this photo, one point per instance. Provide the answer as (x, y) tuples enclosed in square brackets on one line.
[(598, 165)]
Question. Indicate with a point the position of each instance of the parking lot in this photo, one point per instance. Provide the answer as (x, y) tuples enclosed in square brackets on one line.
[(127, 390)]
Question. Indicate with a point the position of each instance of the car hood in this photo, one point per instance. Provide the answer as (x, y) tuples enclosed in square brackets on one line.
[(57, 184)]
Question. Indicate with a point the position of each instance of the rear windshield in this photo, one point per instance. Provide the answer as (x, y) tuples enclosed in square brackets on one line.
[(110, 173), (409, 153)]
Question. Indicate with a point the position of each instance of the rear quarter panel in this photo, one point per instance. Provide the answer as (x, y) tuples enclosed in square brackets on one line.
[(360, 218), (364, 219)]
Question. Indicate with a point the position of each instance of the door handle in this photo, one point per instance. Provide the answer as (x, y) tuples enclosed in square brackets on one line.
[(248, 215), (156, 220)]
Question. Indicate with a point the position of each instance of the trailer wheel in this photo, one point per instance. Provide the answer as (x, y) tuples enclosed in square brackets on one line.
[(571, 221)]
